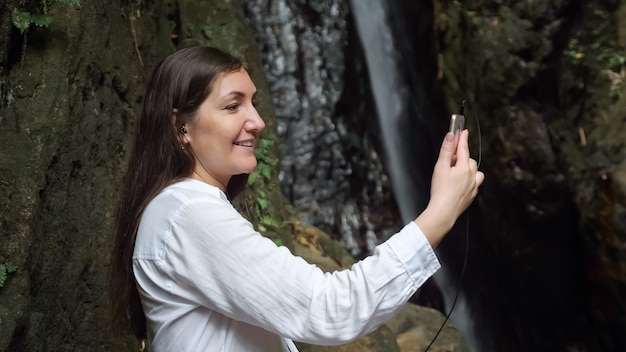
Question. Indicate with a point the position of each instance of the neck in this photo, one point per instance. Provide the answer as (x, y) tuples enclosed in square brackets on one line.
[(209, 180), (213, 181)]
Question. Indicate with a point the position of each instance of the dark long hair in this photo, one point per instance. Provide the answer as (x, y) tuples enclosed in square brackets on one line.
[(179, 84)]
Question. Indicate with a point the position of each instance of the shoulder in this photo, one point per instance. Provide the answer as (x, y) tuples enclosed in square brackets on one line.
[(185, 196), (180, 208)]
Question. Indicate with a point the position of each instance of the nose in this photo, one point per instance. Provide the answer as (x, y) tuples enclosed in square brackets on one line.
[(255, 122)]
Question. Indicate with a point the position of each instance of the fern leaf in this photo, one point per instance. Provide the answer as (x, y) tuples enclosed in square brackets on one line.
[(3, 274), (41, 20)]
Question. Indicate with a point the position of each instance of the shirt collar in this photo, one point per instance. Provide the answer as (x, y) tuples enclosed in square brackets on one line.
[(196, 185)]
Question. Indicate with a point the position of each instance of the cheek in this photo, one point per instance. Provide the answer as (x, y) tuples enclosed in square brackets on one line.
[(205, 133), (217, 134)]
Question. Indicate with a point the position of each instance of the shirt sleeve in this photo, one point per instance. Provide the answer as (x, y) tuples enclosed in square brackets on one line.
[(216, 259)]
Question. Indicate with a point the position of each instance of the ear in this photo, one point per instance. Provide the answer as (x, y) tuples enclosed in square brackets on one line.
[(175, 119), (179, 127)]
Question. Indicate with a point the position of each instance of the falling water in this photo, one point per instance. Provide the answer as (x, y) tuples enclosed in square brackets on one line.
[(377, 39), (409, 183)]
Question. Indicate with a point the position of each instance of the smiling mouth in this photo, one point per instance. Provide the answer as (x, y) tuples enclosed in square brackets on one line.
[(245, 143)]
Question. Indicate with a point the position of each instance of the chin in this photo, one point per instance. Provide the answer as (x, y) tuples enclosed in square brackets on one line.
[(248, 169)]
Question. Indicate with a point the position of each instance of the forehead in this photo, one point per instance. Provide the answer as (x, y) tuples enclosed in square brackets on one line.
[(235, 81)]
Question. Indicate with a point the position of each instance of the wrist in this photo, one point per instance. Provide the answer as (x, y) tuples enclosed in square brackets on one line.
[(435, 224)]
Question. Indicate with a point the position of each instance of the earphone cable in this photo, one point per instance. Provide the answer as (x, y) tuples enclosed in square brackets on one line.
[(458, 290)]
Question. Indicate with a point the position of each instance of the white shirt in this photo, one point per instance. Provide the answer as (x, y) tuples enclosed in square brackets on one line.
[(209, 282)]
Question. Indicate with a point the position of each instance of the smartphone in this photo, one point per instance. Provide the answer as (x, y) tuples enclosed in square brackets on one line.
[(457, 122)]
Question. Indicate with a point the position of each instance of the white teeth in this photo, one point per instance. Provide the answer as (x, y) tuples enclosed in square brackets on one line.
[(245, 144)]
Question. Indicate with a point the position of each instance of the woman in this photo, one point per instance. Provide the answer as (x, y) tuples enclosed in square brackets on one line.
[(191, 274)]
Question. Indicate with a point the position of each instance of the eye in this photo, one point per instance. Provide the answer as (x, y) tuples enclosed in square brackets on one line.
[(256, 102), (232, 107)]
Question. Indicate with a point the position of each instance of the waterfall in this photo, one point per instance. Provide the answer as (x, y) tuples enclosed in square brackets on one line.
[(371, 23), (410, 178)]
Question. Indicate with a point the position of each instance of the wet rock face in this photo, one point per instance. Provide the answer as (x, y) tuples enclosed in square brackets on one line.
[(69, 99), (549, 218), (330, 170), (546, 249)]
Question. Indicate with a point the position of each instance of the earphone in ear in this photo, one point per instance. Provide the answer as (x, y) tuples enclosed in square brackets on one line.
[(183, 130)]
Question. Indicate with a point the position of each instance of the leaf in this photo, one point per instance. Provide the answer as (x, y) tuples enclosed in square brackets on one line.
[(3, 274), (206, 30), (265, 170), (41, 20), (252, 177), (268, 221), (262, 149), (10, 268), (266, 143), (21, 20), (6, 269)]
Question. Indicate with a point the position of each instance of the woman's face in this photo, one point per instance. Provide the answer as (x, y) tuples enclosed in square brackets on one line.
[(225, 130)]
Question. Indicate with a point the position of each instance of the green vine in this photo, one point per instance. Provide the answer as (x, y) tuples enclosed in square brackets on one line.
[(603, 54), (265, 162)]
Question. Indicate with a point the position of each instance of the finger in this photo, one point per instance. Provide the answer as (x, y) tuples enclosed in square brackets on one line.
[(447, 151), (462, 149), (473, 165), (480, 178)]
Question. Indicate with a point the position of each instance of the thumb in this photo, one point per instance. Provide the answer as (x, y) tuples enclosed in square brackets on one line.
[(447, 150)]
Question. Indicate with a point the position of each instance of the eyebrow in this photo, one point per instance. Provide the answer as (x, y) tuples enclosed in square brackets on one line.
[(237, 94)]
